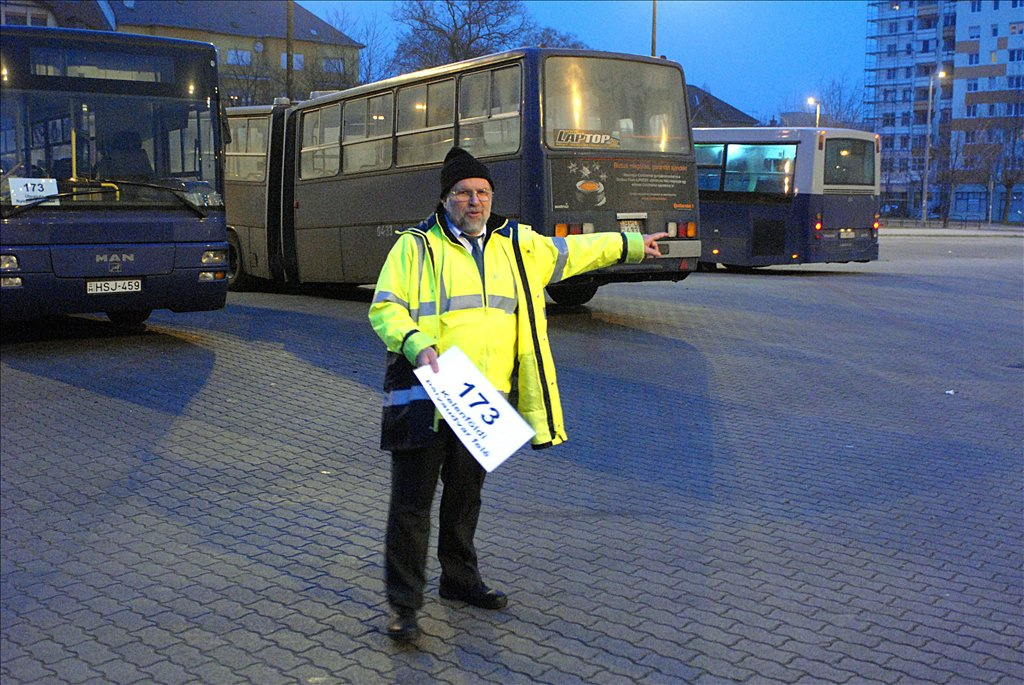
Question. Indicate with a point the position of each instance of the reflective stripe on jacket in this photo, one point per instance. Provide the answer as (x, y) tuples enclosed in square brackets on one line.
[(430, 292)]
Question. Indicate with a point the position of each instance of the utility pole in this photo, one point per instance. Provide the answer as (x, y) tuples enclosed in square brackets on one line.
[(654, 28), (288, 50)]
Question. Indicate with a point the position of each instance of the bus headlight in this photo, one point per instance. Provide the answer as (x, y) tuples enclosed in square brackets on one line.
[(8, 262), (208, 276), (214, 257), (10, 282)]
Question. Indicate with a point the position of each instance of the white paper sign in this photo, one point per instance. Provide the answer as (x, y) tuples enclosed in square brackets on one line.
[(25, 190), (490, 428)]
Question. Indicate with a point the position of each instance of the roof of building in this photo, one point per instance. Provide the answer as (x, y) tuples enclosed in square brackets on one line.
[(256, 18), (708, 111), (70, 14)]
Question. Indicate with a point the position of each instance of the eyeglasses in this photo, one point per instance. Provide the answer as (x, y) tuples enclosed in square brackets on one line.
[(462, 196)]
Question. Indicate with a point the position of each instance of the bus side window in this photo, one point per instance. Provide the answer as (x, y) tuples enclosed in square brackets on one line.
[(366, 133), (489, 118), (426, 122), (320, 154), (246, 154)]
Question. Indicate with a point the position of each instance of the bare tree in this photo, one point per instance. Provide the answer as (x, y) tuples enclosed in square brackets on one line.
[(251, 83), (443, 31), (376, 59), (552, 38), (842, 104)]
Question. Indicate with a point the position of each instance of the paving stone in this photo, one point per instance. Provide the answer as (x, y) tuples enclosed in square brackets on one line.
[(199, 541)]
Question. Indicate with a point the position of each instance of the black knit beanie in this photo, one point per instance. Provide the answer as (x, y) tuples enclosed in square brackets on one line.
[(459, 164)]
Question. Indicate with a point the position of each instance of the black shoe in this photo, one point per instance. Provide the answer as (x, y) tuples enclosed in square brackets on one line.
[(483, 597), (402, 625)]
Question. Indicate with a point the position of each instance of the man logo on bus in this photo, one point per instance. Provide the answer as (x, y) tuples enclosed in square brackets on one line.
[(115, 260), (587, 138)]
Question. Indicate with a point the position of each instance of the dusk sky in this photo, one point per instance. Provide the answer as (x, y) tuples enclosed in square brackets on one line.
[(761, 57)]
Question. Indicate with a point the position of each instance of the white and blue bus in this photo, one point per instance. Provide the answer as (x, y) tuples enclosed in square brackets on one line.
[(787, 195), (111, 192), (577, 142)]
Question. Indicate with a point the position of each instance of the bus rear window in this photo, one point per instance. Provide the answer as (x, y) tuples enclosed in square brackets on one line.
[(592, 102), (849, 162)]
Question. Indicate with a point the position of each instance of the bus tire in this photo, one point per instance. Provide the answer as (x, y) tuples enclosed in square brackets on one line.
[(238, 280), (131, 318), (572, 295)]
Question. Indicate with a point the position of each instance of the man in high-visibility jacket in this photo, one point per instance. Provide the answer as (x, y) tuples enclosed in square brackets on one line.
[(471, 279)]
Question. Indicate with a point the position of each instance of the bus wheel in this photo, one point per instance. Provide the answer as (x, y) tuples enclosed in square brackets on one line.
[(129, 319), (572, 295), (238, 280)]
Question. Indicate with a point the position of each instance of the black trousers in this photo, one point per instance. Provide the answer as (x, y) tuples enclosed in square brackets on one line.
[(414, 476)]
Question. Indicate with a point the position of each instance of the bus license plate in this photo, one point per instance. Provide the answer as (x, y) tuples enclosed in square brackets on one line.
[(847, 233), (631, 225), (130, 285)]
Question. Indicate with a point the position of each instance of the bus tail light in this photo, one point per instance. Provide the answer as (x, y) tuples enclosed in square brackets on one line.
[(562, 230), (588, 227), (672, 228), (691, 229)]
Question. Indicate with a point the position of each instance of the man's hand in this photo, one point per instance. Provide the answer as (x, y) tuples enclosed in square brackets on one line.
[(651, 245), (428, 356)]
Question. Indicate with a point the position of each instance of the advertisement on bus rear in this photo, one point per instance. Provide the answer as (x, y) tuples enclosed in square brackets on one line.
[(618, 183)]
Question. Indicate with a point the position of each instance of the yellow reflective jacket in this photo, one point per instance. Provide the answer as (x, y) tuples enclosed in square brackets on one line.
[(430, 293)]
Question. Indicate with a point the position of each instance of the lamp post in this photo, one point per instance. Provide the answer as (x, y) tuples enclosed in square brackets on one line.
[(926, 176), (817, 111)]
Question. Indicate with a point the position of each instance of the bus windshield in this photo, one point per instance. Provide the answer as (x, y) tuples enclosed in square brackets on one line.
[(849, 162), (106, 131), (593, 102)]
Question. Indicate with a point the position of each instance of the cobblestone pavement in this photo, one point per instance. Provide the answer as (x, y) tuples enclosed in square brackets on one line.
[(806, 475)]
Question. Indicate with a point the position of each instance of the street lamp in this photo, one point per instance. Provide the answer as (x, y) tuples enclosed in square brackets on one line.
[(817, 111), (926, 176)]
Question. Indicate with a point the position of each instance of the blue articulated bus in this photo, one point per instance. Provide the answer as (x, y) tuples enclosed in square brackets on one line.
[(111, 194), (577, 142), (771, 196)]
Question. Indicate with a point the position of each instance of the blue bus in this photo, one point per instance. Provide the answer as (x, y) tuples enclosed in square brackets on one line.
[(111, 194), (787, 195), (577, 142)]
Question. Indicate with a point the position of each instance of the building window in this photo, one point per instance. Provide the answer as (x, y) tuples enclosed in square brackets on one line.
[(297, 61), (975, 5), (19, 15), (972, 85), (1017, 55), (889, 119), (334, 65), (926, 46), (1017, 28), (242, 58), (972, 111), (1015, 82), (905, 119), (973, 58), (974, 32)]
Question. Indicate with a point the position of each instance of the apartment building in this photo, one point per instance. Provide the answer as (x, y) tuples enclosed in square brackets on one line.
[(944, 91)]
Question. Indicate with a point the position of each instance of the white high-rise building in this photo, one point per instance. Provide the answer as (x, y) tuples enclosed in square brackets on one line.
[(950, 74)]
